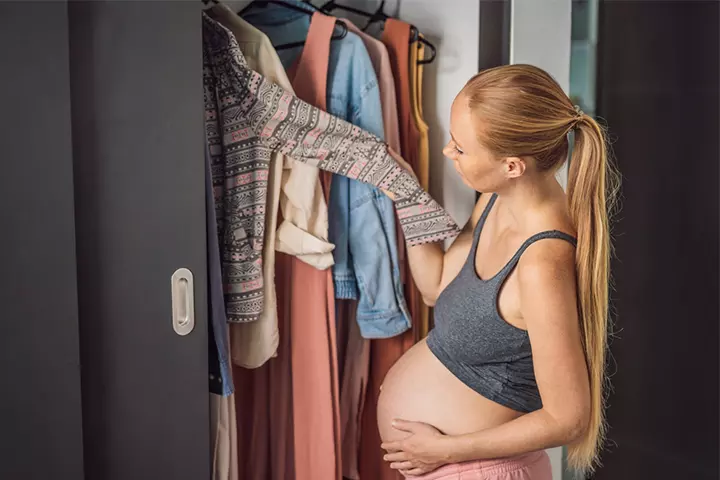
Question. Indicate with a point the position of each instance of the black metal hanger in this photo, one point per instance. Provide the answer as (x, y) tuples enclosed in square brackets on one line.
[(264, 3), (415, 37), (380, 16), (328, 6)]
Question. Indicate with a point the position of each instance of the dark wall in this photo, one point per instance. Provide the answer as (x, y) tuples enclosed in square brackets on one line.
[(658, 90)]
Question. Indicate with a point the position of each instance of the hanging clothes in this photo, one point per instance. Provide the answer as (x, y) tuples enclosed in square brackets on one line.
[(223, 429), (417, 52), (384, 353), (353, 391), (316, 393), (292, 185), (223, 438), (315, 365), (256, 342), (218, 342), (264, 399), (267, 446), (383, 69), (307, 134), (357, 355), (240, 185), (396, 37), (362, 218), (295, 128), (419, 136)]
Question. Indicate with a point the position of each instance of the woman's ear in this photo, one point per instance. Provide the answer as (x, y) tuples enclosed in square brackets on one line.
[(514, 167)]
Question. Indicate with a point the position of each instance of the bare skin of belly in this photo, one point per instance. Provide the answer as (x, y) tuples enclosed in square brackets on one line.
[(419, 388)]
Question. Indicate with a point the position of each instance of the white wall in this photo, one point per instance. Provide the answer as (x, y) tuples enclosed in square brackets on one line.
[(540, 35), (453, 27)]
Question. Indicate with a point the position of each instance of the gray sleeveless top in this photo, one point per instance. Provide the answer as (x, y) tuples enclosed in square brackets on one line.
[(474, 342)]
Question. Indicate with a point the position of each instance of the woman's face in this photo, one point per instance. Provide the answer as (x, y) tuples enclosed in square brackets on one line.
[(477, 167)]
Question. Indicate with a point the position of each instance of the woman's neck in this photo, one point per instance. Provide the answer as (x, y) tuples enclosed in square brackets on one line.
[(525, 200)]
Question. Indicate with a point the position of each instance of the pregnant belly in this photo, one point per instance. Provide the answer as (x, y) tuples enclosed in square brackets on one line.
[(419, 388)]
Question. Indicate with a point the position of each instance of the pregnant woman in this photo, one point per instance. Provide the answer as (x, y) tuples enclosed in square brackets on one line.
[(515, 363)]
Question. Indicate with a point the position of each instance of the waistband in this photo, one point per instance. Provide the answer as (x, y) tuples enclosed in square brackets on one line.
[(486, 467)]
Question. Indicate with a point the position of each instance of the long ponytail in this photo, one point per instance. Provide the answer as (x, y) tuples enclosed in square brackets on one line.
[(592, 188), (525, 113)]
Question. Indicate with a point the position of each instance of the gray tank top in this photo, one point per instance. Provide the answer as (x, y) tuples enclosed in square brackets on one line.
[(475, 343)]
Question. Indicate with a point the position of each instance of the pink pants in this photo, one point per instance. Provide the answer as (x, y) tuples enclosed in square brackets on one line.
[(531, 466)]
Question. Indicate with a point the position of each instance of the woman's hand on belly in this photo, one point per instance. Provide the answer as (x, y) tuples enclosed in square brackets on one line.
[(422, 451)]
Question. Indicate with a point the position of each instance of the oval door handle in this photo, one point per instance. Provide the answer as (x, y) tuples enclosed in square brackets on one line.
[(183, 301)]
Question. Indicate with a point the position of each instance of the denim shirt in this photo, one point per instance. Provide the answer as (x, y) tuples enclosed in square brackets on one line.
[(362, 218)]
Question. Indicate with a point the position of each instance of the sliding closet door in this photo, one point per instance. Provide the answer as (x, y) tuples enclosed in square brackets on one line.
[(40, 412), (136, 76)]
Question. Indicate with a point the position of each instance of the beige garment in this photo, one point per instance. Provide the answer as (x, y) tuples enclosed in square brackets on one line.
[(296, 188), (223, 433)]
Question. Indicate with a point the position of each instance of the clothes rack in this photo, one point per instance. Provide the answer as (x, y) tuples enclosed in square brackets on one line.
[(264, 3), (380, 16)]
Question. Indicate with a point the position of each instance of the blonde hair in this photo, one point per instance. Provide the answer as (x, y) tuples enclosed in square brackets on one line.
[(525, 113)]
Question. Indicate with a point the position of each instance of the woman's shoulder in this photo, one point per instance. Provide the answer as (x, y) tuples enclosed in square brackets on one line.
[(552, 243), (549, 257)]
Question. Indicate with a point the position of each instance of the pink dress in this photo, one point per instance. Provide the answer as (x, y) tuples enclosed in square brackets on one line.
[(316, 402)]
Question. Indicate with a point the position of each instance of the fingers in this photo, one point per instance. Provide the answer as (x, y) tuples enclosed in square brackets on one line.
[(396, 457), (393, 153), (392, 446), (414, 472), (389, 194), (404, 426), (402, 465)]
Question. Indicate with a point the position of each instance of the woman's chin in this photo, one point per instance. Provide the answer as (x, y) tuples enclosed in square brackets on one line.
[(463, 178), (465, 181)]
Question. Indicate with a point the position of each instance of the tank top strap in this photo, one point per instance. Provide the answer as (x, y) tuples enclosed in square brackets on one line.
[(502, 274), (479, 227)]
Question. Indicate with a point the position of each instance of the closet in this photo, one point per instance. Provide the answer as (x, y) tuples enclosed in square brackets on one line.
[(102, 145), (103, 141)]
